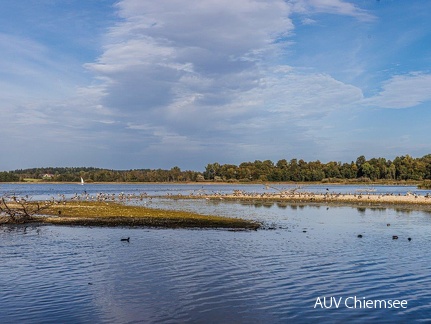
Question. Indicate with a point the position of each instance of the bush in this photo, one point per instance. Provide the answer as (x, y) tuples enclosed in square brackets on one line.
[(200, 178), (425, 185), (232, 180)]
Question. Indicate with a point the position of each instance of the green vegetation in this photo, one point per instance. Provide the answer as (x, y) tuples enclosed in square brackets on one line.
[(425, 185), (9, 176), (55, 174), (400, 169), (403, 168), (115, 214)]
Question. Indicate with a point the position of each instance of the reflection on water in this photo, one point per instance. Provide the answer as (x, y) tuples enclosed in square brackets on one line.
[(59, 274)]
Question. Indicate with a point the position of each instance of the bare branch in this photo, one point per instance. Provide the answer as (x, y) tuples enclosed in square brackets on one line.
[(21, 209)]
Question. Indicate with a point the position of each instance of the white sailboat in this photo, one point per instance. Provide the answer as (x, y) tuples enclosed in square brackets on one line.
[(82, 181)]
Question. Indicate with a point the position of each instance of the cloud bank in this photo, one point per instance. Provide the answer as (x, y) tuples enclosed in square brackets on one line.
[(187, 77), (179, 83)]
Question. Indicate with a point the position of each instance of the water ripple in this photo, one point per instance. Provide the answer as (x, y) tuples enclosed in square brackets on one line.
[(87, 275)]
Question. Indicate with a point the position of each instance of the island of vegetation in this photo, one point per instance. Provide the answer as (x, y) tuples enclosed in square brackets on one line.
[(18, 210)]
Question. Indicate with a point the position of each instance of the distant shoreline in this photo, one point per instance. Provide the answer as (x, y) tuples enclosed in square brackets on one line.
[(207, 183)]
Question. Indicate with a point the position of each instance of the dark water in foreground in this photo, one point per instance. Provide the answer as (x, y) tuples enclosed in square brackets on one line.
[(87, 275)]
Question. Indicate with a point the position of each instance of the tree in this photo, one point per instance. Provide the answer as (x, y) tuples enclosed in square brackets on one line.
[(8, 177), (282, 170), (212, 170), (427, 164), (175, 174), (368, 171), (408, 168), (294, 171), (332, 170), (359, 162), (349, 171)]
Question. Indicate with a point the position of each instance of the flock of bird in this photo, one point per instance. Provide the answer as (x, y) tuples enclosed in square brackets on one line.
[(100, 196)]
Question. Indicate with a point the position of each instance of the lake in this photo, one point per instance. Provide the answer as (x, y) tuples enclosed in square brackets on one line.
[(58, 274)]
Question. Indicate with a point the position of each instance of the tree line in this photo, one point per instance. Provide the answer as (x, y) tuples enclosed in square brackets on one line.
[(74, 174), (401, 168)]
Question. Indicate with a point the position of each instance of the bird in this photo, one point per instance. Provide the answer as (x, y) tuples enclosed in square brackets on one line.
[(360, 235), (409, 239), (388, 224), (126, 239), (394, 237)]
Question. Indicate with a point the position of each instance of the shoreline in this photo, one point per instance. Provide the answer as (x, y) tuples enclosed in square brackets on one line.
[(401, 183), (364, 200)]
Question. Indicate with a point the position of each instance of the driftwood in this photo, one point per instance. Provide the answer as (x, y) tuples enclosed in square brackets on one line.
[(21, 209)]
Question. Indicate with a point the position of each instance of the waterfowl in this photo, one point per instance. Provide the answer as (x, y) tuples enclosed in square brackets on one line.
[(394, 237), (360, 235), (409, 239), (126, 239)]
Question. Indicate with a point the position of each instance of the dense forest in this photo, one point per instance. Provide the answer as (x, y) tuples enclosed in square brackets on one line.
[(401, 168)]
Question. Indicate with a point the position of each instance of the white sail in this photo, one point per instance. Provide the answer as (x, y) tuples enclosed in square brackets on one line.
[(82, 181)]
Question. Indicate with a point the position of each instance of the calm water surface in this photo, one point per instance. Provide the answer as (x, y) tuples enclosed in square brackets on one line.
[(55, 274)]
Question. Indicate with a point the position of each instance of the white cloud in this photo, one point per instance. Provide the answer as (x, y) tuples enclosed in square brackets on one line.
[(167, 58), (174, 62), (403, 91), (308, 21), (337, 7)]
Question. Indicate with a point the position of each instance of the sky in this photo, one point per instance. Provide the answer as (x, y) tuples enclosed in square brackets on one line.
[(137, 84)]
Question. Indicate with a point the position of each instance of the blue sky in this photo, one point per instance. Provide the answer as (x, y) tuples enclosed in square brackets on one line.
[(155, 84)]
